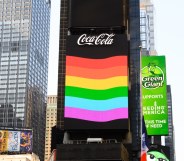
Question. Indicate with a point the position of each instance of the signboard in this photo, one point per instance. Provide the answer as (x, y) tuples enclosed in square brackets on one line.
[(95, 13), (156, 152), (96, 82), (16, 141), (154, 95)]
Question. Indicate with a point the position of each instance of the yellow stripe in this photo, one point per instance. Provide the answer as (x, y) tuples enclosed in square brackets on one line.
[(96, 83)]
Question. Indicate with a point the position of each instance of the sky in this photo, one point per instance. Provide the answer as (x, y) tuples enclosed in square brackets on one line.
[(169, 27), (169, 41)]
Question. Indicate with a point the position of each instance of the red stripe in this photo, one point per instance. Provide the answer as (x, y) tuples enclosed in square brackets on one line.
[(96, 63), (97, 73)]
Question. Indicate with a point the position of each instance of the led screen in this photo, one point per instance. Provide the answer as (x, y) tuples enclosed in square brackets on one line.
[(154, 95), (156, 152), (95, 13), (96, 82)]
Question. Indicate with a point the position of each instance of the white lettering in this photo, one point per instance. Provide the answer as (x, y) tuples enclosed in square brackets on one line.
[(102, 39)]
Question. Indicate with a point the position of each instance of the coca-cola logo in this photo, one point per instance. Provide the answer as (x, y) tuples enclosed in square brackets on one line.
[(102, 39)]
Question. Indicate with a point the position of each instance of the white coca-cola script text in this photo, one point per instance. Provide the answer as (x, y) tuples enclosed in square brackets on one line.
[(102, 39)]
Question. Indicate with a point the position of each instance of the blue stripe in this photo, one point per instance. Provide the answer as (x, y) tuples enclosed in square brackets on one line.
[(96, 105)]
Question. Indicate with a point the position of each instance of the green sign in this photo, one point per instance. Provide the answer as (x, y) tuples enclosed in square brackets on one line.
[(154, 95)]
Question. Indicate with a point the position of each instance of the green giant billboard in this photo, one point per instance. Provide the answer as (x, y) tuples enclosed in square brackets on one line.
[(154, 95)]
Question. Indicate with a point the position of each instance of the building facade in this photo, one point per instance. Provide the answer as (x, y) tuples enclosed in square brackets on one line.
[(51, 117), (22, 157), (148, 48), (24, 48), (132, 31), (147, 27), (169, 140)]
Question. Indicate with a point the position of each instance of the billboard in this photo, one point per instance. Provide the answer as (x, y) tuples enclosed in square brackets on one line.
[(108, 13), (96, 82), (154, 95), (16, 141), (156, 152)]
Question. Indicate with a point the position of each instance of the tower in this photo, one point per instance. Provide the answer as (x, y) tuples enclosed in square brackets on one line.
[(24, 37), (83, 28)]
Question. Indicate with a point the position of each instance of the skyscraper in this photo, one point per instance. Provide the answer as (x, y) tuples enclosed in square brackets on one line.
[(169, 140), (147, 27), (24, 46), (50, 122)]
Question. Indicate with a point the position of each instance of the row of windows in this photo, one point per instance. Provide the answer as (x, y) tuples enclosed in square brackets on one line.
[(11, 68), (13, 58), (15, 12), (10, 25), (10, 1), (15, 9), (14, 4), (11, 86), (16, 17), (14, 34), (7, 54), (14, 43)]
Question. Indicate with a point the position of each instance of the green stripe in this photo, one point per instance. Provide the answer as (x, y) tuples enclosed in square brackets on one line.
[(96, 94)]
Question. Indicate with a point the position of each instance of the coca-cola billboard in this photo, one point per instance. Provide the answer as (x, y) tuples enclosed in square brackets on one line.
[(101, 39), (96, 81)]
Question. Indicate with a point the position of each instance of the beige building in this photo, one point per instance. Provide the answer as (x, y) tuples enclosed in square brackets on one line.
[(51, 117), (147, 30), (20, 157)]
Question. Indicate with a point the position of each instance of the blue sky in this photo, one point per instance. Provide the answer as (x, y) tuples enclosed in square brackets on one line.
[(169, 35)]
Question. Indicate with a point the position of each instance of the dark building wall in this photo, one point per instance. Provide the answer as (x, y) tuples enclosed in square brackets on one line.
[(134, 29), (169, 140), (61, 65), (134, 63), (114, 151)]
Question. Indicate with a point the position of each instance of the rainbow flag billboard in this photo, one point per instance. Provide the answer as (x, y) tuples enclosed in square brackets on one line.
[(96, 82), (154, 95)]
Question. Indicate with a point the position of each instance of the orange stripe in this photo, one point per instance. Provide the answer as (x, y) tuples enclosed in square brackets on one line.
[(96, 63), (97, 73)]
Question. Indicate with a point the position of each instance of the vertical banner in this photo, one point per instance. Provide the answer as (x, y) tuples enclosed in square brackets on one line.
[(154, 95)]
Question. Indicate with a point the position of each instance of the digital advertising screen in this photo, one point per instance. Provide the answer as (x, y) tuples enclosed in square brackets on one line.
[(154, 95), (156, 152), (96, 82), (96, 13), (16, 141)]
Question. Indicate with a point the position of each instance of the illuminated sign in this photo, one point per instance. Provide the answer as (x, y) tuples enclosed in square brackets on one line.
[(154, 95), (156, 152), (96, 82), (102, 39), (15, 141)]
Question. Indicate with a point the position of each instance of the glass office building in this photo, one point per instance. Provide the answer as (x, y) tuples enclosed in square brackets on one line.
[(147, 27), (24, 48)]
